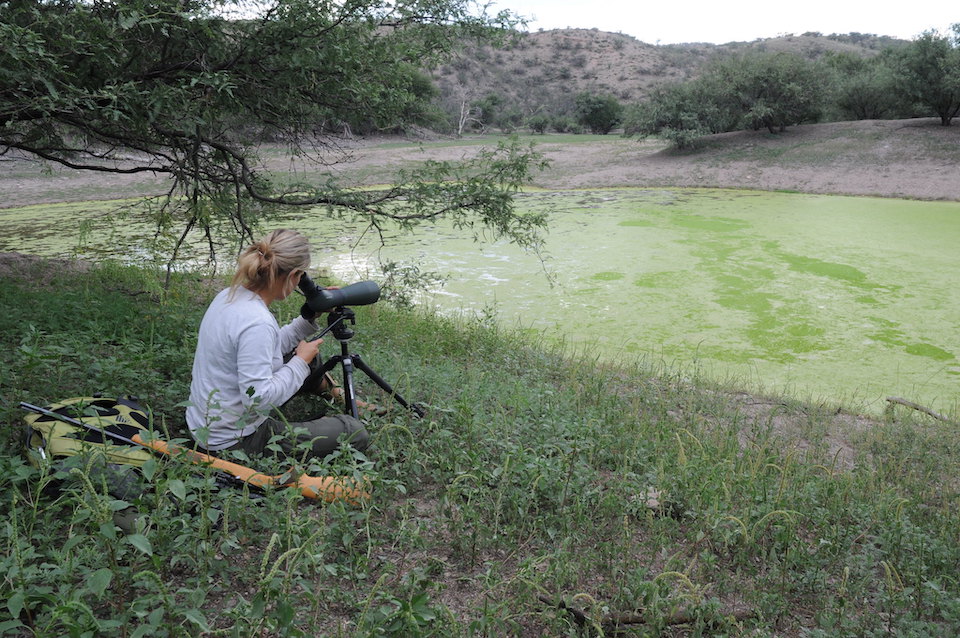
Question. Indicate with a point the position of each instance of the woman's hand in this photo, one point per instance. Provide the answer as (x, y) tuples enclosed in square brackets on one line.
[(307, 350)]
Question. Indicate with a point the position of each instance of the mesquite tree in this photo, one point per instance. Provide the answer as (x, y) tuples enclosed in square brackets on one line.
[(191, 89), (928, 73)]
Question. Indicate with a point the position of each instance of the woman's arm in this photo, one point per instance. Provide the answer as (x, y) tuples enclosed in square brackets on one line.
[(262, 385), (294, 332)]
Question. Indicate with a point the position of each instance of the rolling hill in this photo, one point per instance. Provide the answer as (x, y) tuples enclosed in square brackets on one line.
[(543, 71)]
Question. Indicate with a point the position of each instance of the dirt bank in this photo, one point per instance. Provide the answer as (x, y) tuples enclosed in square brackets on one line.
[(888, 158), (917, 159)]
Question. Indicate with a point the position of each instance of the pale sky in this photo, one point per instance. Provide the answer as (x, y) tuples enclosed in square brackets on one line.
[(722, 21)]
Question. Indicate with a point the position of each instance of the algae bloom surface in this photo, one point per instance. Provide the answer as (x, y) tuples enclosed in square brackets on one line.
[(827, 298), (845, 299)]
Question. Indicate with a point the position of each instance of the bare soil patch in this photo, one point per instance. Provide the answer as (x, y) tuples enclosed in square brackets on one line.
[(915, 159), (37, 269)]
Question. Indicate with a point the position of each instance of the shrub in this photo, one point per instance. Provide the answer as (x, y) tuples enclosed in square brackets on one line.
[(600, 113), (563, 124), (538, 123)]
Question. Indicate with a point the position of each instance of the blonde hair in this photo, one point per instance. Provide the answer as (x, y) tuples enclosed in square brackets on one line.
[(262, 263)]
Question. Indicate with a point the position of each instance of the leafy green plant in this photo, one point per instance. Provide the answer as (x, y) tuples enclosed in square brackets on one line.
[(629, 493)]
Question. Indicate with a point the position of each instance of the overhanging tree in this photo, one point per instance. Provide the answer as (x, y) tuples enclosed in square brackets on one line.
[(184, 89)]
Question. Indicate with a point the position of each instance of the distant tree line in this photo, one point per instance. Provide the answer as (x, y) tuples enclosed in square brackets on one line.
[(775, 90), (757, 90), (593, 112)]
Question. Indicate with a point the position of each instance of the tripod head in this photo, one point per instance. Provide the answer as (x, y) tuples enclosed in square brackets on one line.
[(336, 302), (338, 320)]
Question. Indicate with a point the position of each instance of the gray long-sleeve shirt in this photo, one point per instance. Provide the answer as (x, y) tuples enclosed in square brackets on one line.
[(238, 369)]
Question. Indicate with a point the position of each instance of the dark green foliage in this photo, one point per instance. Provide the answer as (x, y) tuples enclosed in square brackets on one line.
[(538, 123), (681, 113), (492, 111), (183, 91), (771, 91), (488, 108), (564, 124), (419, 111), (749, 91), (599, 113), (865, 88), (928, 73)]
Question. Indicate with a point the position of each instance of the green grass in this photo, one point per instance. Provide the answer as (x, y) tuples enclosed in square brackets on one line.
[(544, 494)]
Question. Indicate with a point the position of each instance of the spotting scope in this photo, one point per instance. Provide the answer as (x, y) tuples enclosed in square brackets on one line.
[(320, 299)]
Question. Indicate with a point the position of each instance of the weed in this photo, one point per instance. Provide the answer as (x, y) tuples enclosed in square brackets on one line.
[(639, 497)]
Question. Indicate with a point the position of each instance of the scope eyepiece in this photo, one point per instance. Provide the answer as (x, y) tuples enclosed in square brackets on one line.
[(320, 299)]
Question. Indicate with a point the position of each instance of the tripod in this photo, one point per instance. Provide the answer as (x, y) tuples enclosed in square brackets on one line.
[(337, 323)]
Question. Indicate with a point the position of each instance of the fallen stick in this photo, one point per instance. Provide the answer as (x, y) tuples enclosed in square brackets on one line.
[(611, 621), (920, 408), (578, 616)]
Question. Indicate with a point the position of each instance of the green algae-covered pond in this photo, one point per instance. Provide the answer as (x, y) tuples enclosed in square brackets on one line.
[(837, 299)]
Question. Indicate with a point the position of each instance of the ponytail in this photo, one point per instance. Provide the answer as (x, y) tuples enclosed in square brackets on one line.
[(263, 262)]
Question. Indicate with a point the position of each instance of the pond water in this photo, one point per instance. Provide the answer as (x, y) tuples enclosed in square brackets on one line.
[(836, 299)]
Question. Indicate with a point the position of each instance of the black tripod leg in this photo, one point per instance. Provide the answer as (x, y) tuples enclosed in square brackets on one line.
[(349, 395), (361, 364), (349, 398)]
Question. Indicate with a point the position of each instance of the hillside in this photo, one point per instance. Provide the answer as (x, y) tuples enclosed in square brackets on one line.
[(544, 70)]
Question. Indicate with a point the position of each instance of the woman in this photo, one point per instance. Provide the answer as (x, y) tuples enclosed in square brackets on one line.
[(239, 374)]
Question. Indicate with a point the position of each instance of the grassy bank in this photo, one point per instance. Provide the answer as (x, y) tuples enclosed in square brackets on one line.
[(542, 495)]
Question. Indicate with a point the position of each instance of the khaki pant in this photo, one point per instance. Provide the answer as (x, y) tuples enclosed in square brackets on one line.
[(323, 435)]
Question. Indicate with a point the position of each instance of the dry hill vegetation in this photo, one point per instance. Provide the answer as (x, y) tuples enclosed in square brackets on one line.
[(545, 69)]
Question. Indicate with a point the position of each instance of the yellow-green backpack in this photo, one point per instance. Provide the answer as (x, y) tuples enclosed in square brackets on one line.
[(87, 424)]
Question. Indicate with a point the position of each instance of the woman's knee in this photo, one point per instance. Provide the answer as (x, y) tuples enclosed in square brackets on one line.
[(355, 431), (327, 433)]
